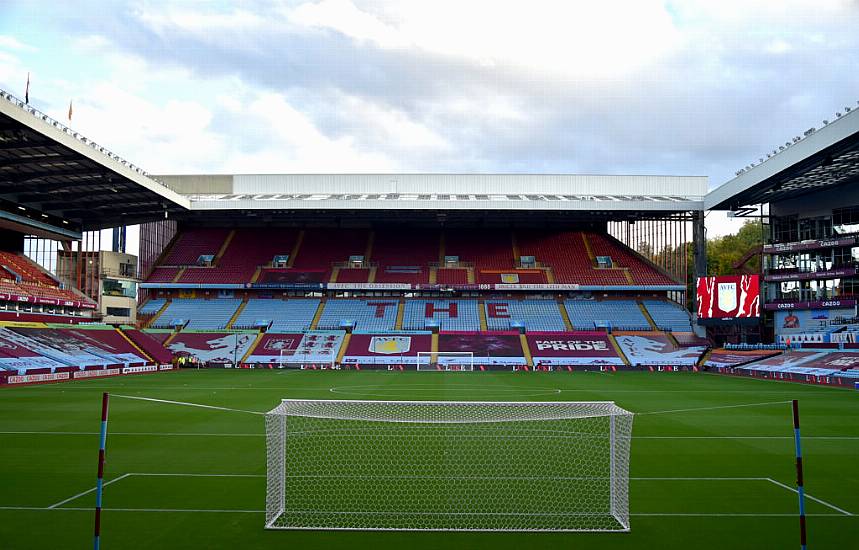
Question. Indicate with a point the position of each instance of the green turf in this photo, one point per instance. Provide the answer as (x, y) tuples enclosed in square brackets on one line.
[(49, 443)]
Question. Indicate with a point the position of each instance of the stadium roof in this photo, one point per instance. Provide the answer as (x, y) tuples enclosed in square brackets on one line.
[(55, 182), (576, 196), (825, 158)]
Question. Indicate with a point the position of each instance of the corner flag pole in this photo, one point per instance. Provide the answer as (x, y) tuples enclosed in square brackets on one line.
[(799, 481), (99, 486)]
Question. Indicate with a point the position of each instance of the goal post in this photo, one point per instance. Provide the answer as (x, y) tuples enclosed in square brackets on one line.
[(445, 361), (448, 466)]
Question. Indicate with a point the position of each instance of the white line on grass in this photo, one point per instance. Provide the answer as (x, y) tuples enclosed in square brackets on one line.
[(815, 499), (158, 434), (807, 390), (718, 407), (234, 434), (186, 404), (58, 505), (171, 474), (239, 511), (88, 491)]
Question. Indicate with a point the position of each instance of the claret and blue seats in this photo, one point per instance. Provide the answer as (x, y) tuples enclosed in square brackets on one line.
[(198, 314), (453, 315), (668, 315), (617, 314), (535, 315), (278, 315), (152, 306), (367, 315)]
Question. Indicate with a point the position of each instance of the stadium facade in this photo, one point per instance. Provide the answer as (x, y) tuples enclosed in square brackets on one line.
[(380, 270)]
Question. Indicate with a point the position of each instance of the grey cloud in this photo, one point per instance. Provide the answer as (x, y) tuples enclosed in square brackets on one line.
[(711, 108)]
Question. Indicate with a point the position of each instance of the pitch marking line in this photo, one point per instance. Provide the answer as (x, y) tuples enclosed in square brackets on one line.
[(235, 434), (815, 499), (57, 506), (212, 511), (88, 491)]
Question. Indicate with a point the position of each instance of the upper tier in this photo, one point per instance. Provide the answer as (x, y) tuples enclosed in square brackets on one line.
[(22, 277), (408, 256)]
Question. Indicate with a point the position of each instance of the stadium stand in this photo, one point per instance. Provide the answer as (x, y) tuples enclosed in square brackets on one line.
[(27, 270), (618, 314), (375, 315), (404, 256), (642, 272), (539, 315), (163, 274), (454, 315), (285, 275), (152, 306), (484, 249), (248, 250), (668, 315), (198, 314), (366, 350), (572, 348), (283, 316), (452, 276), (21, 276), (498, 349), (27, 348), (566, 253), (348, 275), (655, 349), (213, 347), (323, 247), (148, 344), (192, 243), (301, 348)]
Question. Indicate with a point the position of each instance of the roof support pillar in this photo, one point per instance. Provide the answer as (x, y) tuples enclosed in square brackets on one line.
[(699, 246)]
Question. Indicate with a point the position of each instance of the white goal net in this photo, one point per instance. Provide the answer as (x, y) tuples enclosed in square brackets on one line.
[(445, 360), (458, 466)]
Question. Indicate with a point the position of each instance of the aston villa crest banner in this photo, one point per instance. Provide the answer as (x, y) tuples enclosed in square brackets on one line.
[(727, 297), (390, 345)]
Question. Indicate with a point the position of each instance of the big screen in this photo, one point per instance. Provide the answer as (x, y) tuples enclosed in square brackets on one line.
[(729, 297)]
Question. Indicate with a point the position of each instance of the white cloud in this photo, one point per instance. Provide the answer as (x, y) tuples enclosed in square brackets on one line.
[(604, 38), (166, 19), (8, 42), (157, 137), (289, 142), (344, 17)]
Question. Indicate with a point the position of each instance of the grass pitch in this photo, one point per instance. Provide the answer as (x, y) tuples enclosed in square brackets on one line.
[(182, 477)]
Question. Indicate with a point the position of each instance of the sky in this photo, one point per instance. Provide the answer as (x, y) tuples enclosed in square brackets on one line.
[(351, 86)]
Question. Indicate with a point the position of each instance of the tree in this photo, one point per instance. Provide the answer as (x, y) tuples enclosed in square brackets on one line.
[(725, 254)]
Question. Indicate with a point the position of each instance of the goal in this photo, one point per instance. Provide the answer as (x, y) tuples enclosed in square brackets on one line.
[(446, 360), (448, 466)]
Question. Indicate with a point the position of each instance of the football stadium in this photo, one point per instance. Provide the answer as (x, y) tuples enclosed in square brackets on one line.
[(429, 360)]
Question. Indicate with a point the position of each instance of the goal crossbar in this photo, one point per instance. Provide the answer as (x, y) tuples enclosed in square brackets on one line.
[(448, 465)]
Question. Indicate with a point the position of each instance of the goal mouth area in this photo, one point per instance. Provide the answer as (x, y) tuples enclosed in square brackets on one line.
[(365, 465), (447, 412), (308, 520)]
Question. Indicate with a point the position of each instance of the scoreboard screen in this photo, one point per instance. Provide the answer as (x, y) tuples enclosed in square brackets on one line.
[(729, 297)]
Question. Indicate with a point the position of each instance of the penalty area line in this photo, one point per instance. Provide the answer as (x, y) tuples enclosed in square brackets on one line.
[(243, 511), (185, 404), (88, 491), (815, 499), (235, 434)]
